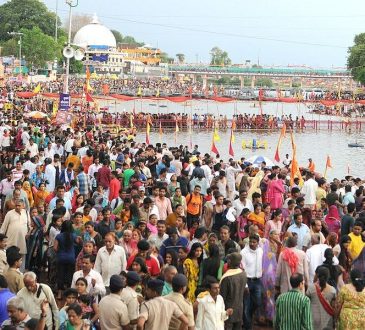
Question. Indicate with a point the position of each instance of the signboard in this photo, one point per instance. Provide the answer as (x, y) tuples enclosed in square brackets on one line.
[(65, 102)]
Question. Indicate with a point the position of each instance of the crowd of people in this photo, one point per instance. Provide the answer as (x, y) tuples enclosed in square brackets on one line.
[(101, 232)]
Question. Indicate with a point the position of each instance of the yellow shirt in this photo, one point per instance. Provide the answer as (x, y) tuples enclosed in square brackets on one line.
[(356, 245)]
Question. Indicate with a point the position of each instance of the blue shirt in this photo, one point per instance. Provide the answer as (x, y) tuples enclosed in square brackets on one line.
[(348, 198), (5, 295), (65, 255), (167, 245)]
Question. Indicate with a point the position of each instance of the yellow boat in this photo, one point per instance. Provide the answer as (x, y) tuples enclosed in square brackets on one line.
[(254, 144)]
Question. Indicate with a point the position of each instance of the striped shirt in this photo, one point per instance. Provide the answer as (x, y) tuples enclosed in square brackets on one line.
[(293, 311)]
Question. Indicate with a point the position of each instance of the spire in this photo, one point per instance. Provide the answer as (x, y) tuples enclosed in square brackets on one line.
[(95, 19)]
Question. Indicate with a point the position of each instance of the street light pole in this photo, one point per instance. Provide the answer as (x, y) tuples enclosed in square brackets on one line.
[(67, 75), (20, 34)]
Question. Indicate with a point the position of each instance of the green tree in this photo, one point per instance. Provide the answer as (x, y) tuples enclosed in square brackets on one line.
[(263, 82), (180, 58), (131, 41), (118, 36), (26, 14), (219, 57), (165, 58), (10, 47), (356, 58), (39, 48)]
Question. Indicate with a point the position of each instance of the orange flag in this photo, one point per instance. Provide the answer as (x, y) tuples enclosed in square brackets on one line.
[(148, 128), (295, 172), (328, 162), (281, 137), (328, 165)]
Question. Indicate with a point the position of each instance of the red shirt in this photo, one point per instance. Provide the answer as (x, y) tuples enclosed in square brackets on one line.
[(151, 263), (114, 188), (104, 177)]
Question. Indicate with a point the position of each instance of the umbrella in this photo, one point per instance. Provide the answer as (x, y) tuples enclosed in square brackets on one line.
[(257, 160), (36, 115)]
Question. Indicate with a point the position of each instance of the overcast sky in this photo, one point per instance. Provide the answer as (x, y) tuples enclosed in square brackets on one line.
[(312, 32)]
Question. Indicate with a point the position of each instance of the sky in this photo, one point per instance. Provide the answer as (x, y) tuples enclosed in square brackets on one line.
[(316, 33)]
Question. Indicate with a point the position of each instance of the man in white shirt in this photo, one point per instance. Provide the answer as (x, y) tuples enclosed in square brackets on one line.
[(242, 203), (299, 228), (94, 168), (95, 284), (32, 147), (49, 151), (30, 166), (58, 148), (315, 256), (111, 259), (211, 309), (25, 136), (309, 191), (252, 263)]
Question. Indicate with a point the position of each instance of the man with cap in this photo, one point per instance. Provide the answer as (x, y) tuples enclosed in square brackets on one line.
[(113, 311), (130, 297), (179, 286), (174, 242), (143, 252), (156, 312)]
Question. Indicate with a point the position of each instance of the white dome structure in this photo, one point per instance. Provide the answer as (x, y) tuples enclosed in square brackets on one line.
[(95, 35)]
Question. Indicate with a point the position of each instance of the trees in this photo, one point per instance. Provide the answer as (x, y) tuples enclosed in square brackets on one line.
[(77, 22), (356, 58), (180, 58), (19, 14), (118, 36), (219, 57), (39, 48)]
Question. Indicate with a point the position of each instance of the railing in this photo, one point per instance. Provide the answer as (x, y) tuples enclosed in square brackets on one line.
[(241, 125)]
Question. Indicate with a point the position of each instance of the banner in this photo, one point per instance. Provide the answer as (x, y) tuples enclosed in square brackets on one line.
[(65, 102)]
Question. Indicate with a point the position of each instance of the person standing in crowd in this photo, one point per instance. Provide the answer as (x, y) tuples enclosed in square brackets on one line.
[(179, 287), (291, 260), (18, 317), (113, 310), (130, 296), (15, 227), (111, 259), (157, 312), (212, 312), (34, 294), (191, 269), (322, 296), (351, 302), (252, 255), (232, 287), (293, 308), (5, 295)]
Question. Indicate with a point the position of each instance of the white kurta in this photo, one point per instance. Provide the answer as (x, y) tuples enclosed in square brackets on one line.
[(15, 227), (50, 176)]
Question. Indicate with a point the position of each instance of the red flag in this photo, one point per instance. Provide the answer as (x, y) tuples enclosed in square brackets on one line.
[(214, 148), (231, 151), (89, 98), (106, 89), (282, 135)]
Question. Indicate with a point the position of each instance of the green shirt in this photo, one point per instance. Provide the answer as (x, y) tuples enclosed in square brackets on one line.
[(293, 311), (127, 174)]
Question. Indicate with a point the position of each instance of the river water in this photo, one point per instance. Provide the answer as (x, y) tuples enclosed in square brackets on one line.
[(310, 144)]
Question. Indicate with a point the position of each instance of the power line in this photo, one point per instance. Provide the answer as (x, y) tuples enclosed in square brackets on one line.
[(183, 28)]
